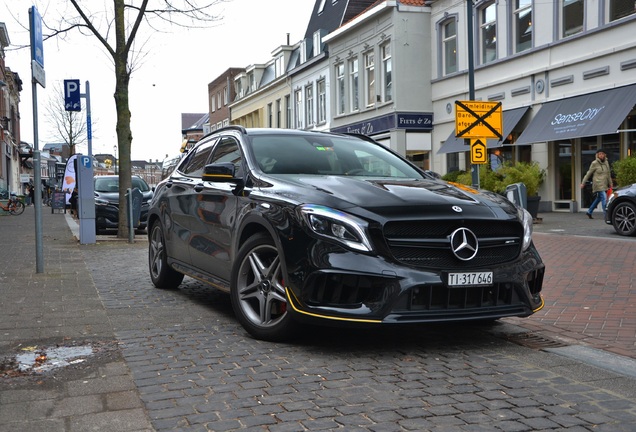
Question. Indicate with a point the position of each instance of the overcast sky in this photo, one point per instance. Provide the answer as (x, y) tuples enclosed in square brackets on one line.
[(172, 80)]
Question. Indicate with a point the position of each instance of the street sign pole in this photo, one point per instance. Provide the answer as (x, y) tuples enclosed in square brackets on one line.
[(37, 77), (471, 77)]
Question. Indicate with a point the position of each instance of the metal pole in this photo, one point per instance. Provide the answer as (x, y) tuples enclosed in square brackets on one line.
[(37, 193), (89, 129), (471, 77)]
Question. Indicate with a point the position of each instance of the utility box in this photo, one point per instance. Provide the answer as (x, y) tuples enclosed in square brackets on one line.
[(517, 193)]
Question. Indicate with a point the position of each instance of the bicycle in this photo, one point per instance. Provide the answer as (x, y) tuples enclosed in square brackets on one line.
[(14, 206)]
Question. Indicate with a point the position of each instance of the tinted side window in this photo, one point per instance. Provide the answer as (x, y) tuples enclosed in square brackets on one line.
[(228, 151), (195, 161)]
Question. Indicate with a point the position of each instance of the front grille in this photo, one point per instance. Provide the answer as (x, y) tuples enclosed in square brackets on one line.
[(426, 244), (439, 297)]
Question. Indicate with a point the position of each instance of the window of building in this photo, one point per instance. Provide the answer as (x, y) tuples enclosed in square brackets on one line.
[(387, 69), (322, 101), (621, 8), (317, 43), (279, 113), (239, 88), (354, 90), (252, 82), (226, 95), (321, 7), (304, 55), (449, 46), (280, 66), (522, 24), (298, 112), (213, 103), (309, 105), (218, 100), (369, 75), (340, 88), (270, 115), (572, 17), (288, 108), (488, 32)]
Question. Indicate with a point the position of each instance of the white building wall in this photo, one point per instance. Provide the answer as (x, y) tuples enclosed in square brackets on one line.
[(602, 56)]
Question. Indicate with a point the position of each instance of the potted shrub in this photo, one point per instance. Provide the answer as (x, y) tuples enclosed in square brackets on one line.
[(625, 170), (530, 174)]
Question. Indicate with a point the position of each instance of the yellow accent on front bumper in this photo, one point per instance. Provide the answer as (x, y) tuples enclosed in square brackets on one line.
[(291, 298), (540, 307)]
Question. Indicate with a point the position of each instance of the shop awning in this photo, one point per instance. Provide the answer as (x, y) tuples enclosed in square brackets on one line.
[(599, 113), (510, 119)]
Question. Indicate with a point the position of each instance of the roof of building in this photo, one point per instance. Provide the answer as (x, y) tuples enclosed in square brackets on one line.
[(193, 121)]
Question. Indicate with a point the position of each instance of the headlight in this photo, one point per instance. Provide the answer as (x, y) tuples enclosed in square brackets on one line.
[(526, 220), (337, 226), (101, 202), (611, 198)]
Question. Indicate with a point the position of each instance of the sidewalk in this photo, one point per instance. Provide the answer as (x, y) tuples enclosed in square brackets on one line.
[(59, 308)]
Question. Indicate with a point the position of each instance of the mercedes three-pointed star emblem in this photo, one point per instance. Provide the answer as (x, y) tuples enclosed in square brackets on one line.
[(464, 244)]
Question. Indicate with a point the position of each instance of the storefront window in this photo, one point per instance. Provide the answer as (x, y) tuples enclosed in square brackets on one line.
[(563, 173)]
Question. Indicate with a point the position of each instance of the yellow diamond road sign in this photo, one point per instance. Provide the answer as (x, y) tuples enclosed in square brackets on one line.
[(478, 152), (477, 119)]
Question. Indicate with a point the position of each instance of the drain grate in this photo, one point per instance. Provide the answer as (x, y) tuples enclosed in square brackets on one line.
[(534, 341)]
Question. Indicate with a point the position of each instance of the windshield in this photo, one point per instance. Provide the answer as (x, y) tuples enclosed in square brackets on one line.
[(327, 155)]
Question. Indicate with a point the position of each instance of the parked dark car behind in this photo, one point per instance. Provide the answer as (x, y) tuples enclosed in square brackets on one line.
[(107, 201), (621, 210), (306, 226)]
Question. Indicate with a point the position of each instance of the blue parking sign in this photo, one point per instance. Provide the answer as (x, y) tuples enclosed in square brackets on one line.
[(72, 95)]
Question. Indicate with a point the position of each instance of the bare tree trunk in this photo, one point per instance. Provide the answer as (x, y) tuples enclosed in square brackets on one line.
[(122, 106)]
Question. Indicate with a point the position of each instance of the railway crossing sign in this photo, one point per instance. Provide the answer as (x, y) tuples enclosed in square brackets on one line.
[(478, 119)]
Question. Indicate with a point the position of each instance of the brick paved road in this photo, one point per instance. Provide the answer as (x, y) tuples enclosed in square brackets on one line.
[(590, 292), (196, 369)]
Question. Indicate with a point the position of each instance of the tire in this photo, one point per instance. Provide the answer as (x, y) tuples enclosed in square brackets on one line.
[(258, 292), (624, 219), (17, 208), (161, 274)]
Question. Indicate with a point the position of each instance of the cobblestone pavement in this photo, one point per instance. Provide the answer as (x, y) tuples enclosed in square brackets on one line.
[(182, 362)]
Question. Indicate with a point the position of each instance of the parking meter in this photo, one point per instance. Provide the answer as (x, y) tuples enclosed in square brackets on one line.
[(85, 198)]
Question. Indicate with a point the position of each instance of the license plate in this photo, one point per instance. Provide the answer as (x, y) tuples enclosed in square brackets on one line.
[(470, 279)]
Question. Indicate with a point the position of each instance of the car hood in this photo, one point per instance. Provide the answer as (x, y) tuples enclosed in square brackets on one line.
[(393, 197)]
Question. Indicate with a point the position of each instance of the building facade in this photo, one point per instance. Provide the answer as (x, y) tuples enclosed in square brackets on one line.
[(380, 71), (564, 72), (10, 88)]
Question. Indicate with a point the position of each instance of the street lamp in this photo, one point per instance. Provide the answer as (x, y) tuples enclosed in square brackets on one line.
[(115, 156)]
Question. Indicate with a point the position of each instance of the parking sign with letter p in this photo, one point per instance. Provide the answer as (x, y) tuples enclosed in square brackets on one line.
[(72, 95)]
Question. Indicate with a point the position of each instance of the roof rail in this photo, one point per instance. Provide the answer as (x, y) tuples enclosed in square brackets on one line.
[(239, 128), (361, 136)]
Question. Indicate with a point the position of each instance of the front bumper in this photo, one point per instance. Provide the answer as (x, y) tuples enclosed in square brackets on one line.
[(107, 217), (347, 286)]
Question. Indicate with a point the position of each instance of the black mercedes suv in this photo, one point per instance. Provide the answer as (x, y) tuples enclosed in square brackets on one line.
[(312, 226)]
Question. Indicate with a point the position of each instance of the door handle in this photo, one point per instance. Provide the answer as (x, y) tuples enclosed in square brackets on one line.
[(199, 187)]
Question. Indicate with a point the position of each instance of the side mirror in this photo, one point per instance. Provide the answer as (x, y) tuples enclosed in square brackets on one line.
[(220, 172)]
